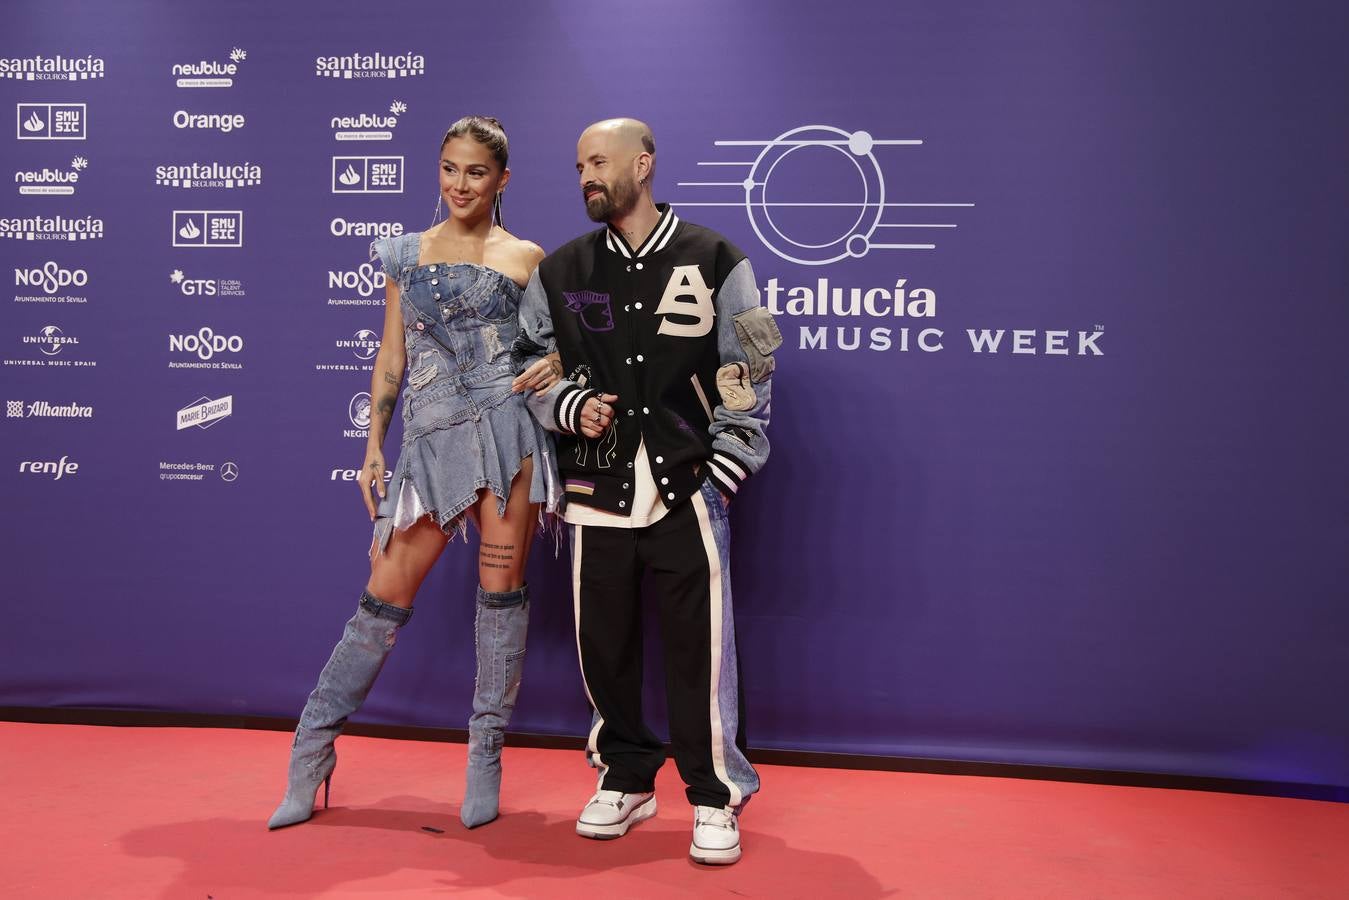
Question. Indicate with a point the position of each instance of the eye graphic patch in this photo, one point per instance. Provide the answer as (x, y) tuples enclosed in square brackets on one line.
[(593, 308)]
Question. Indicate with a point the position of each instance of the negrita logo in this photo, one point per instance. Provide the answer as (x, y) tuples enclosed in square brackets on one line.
[(50, 121), (358, 413), (209, 73)]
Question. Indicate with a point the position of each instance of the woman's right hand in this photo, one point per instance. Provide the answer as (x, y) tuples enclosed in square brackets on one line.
[(372, 471)]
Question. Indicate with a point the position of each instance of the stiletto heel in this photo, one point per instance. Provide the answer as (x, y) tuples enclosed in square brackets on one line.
[(327, 785)]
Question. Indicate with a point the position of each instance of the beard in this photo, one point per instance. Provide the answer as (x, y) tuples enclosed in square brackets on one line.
[(613, 200)]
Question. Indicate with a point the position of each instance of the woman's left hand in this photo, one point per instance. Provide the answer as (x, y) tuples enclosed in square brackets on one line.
[(539, 377)]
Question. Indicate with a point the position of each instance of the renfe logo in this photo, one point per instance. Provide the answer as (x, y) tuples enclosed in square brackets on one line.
[(50, 121), (208, 228), (58, 469), (367, 175)]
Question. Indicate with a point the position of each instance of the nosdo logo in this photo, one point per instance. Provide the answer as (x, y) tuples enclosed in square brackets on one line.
[(50, 340), (209, 175), (51, 228), (52, 68), (206, 287), (364, 281), (367, 175), (209, 73), (222, 122), (51, 182), (205, 343), (370, 65), (58, 469), (41, 409), (50, 121), (208, 228), (364, 345), (369, 126), (50, 277), (341, 227)]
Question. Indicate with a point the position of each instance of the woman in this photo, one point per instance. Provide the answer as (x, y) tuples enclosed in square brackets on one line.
[(471, 452)]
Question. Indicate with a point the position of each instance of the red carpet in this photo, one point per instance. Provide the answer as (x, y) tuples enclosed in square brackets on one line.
[(169, 812)]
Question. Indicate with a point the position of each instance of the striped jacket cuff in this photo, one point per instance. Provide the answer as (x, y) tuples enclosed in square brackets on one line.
[(728, 472), (567, 412)]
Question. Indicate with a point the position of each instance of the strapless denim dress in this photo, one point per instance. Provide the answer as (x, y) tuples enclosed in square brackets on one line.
[(463, 428)]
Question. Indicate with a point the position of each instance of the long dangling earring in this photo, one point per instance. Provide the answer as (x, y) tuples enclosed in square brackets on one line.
[(436, 216), (496, 211)]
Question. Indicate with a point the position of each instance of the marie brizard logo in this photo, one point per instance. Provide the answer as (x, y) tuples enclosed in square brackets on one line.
[(50, 121)]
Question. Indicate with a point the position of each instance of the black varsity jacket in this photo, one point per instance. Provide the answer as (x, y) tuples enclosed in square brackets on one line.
[(675, 329)]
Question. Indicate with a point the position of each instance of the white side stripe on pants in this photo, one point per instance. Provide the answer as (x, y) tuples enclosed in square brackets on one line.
[(592, 743)]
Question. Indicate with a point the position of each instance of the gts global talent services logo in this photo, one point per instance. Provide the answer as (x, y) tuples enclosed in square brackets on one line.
[(208, 228), (206, 287), (369, 126), (52, 68), (50, 121), (209, 73), (51, 182), (371, 65), (49, 283)]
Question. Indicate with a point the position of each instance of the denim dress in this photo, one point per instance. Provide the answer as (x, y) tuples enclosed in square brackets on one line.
[(463, 428)]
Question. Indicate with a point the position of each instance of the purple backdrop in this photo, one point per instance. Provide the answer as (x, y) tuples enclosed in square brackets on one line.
[(1123, 550)]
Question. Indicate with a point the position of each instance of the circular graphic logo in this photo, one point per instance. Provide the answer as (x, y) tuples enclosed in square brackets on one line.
[(51, 340), (358, 410), (229, 471), (366, 344)]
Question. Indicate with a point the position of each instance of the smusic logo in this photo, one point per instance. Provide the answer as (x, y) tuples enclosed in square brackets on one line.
[(370, 65), (208, 228), (50, 121), (367, 175)]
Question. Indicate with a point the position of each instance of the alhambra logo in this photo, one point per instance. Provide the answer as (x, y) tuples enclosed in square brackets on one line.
[(52, 68), (210, 73), (370, 65), (369, 126), (51, 182), (209, 175)]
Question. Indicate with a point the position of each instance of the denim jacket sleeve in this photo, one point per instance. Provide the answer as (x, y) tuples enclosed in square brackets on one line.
[(746, 339), (559, 408)]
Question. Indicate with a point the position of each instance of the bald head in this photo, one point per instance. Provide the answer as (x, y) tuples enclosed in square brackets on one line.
[(631, 134), (615, 159)]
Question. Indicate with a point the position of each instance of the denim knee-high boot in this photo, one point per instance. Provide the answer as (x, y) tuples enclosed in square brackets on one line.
[(499, 638), (342, 688)]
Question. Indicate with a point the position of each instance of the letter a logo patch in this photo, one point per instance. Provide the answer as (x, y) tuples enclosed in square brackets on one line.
[(688, 297)]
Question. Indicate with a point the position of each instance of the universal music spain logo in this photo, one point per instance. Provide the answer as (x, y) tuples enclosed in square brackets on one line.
[(50, 121)]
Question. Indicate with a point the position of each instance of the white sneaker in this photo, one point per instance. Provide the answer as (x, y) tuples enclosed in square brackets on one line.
[(716, 836), (609, 814)]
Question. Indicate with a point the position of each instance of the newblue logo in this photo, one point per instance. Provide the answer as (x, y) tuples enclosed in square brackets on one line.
[(51, 182), (50, 121), (209, 73), (369, 126)]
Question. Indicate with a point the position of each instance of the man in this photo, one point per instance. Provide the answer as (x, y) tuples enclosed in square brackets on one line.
[(668, 357)]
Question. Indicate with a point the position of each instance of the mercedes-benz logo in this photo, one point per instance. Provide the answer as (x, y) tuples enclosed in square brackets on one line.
[(229, 471)]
